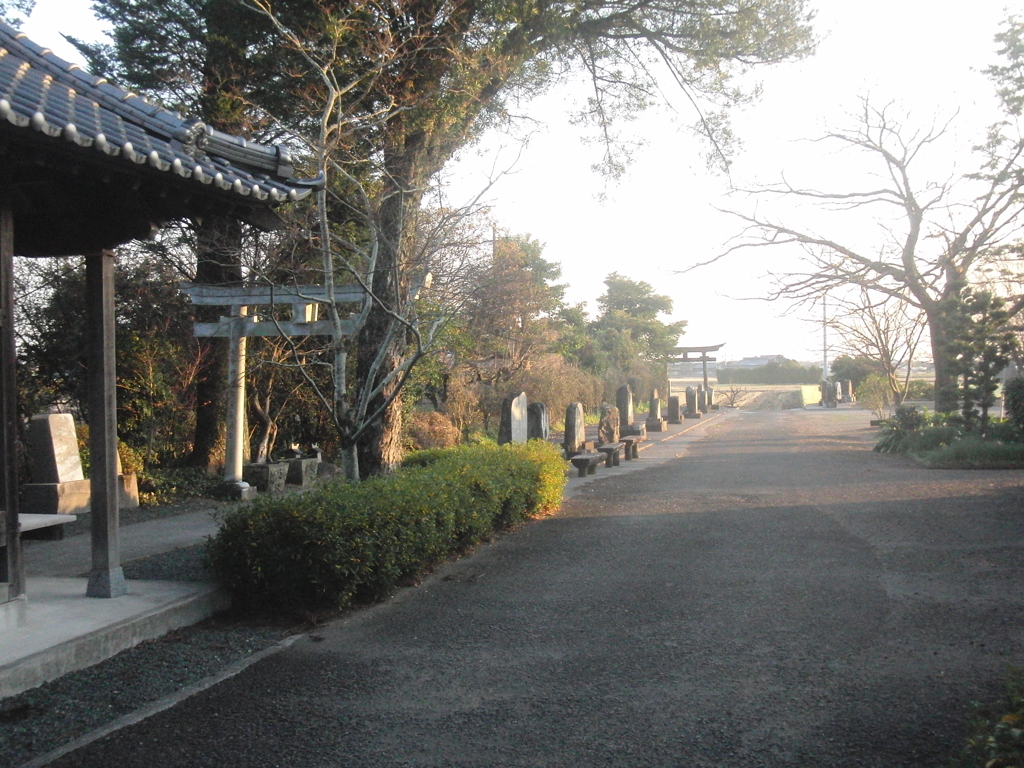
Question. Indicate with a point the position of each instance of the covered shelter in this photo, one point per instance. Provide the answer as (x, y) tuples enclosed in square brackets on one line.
[(84, 167)]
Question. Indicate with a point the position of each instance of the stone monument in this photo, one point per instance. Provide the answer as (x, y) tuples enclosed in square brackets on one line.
[(655, 423), (674, 414), (537, 426), (624, 402), (575, 429), (58, 485), (608, 428), (513, 425)]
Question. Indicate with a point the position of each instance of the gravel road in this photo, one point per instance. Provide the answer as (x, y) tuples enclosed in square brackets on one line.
[(780, 596)]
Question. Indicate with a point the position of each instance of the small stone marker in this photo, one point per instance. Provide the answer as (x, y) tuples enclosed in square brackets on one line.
[(712, 405), (654, 421), (608, 428), (702, 400), (575, 429), (624, 402), (537, 426), (847, 390), (674, 414), (513, 425)]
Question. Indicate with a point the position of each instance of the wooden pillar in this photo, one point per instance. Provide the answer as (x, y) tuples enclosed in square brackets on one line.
[(106, 578), (704, 361), (12, 578)]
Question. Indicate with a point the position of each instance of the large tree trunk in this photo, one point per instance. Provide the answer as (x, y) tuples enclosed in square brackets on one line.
[(947, 399), (380, 448), (218, 243)]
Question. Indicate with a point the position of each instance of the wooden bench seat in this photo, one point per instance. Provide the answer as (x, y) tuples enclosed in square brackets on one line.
[(586, 463)]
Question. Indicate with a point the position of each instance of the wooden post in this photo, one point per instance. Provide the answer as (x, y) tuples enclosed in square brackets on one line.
[(106, 578), (12, 581)]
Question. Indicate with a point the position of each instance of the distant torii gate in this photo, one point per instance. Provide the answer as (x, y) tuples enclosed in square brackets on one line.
[(238, 326), (685, 353)]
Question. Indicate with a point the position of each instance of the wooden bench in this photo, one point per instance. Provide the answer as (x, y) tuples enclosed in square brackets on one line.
[(611, 452), (50, 527), (632, 443), (587, 463)]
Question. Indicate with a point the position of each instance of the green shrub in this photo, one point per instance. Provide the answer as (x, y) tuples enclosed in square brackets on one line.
[(897, 434), (996, 737), (974, 452), (1013, 401), (319, 550)]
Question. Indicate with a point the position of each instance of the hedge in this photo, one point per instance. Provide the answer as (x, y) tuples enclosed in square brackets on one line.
[(319, 550)]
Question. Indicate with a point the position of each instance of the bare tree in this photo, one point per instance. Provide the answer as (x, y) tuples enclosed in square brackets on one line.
[(936, 236), (882, 329)]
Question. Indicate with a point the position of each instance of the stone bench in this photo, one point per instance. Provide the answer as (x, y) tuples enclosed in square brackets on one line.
[(611, 452), (587, 463), (632, 445), (50, 527)]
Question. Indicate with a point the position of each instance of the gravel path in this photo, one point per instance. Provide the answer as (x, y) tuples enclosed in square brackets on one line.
[(781, 596)]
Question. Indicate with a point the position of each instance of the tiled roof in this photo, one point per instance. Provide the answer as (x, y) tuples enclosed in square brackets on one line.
[(41, 92)]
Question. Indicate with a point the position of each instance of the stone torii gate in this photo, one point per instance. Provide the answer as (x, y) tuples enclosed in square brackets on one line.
[(239, 325), (683, 356)]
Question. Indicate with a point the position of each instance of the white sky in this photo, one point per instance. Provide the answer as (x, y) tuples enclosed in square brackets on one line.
[(662, 217)]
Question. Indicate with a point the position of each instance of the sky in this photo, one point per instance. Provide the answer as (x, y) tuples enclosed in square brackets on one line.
[(668, 212)]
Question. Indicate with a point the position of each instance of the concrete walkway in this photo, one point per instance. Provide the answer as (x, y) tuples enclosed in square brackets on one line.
[(781, 597), (57, 629)]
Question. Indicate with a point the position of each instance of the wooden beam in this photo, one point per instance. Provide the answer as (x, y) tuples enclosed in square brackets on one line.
[(106, 578), (12, 577)]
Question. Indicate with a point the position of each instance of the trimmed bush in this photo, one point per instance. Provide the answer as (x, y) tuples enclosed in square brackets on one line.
[(319, 550)]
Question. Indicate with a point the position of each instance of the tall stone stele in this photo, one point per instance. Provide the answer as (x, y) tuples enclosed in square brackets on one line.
[(575, 429), (624, 402), (513, 425), (692, 412), (608, 428), (674, 413), (537, 424)]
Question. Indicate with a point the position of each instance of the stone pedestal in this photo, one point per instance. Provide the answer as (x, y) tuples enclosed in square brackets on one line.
[(302, 472), (656, 425), (70, 498), (639, 430), (235, 491), (266, 477)]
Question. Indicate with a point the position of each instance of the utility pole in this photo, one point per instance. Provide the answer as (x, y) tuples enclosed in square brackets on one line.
[(824, 338)]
